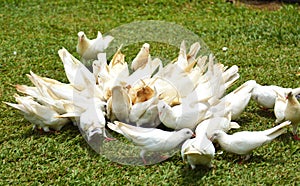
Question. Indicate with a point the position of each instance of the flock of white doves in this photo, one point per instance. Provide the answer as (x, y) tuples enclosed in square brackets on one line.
[(187, 95)]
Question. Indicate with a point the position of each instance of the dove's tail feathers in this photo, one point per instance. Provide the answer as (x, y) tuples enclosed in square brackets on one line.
[(114, 127), (194, 49), (69, 115), (245, 88), (17, 106), (275, 130), (230, 76), (234, 125)]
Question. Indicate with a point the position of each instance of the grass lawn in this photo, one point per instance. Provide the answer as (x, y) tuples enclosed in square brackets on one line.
[(265, 45)]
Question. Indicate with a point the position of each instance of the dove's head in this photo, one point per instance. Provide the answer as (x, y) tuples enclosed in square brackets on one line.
[(217, 134), (146, 47), (162, 107), (186, 133), (81, 36)]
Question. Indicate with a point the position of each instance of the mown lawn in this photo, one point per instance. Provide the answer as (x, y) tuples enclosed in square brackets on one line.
[(264, 44)]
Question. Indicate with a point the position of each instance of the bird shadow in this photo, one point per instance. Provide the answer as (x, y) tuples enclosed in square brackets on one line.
[(68, 130), (286, 137), (265, 113), (190, 175)]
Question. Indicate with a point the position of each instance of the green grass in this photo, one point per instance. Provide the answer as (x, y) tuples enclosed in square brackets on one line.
[(264, 44)]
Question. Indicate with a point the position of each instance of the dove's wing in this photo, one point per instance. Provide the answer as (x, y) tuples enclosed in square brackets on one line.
[(194, 49), (141, 58), (101, 43), (149, 137)]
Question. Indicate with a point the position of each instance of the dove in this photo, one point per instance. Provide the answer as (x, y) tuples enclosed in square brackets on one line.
[(151, 139), (90, 113), (88, 49), (140, 112), (119, 104), (239, 98), (280, 107), (266, 95), (230, 76), (143, 73), (244, 142), (40, 116), (292, 112), (181, 74), (99, 65), (198, 151), (141, 58), (78, 75), (150, 118), (210, 125), (185, 115)]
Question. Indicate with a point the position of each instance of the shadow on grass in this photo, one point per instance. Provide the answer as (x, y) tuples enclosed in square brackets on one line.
[(286, 137), (29, 132), (190, 175), (265, 113)]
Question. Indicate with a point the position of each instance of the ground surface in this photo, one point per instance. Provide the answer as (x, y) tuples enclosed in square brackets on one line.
[(264, 44)]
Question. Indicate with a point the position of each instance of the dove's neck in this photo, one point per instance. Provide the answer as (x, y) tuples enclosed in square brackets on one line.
[(224, 140), (177, 139), (292, 111), (83, 46), (292, 101)]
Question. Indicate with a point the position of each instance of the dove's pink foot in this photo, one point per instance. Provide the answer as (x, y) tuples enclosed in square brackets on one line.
[(109, 139), (264, 108), (296, 138), (164, 157), (144, 161)]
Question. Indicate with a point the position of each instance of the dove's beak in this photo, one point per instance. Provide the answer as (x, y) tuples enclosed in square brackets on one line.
[(212, 138), (193, 135)]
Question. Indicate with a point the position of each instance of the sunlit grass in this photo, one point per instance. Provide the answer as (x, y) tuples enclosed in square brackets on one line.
[(264, 44)]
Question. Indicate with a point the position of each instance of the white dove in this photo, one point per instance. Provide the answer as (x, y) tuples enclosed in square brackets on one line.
[(210, 125), (40, 116), (185, 115), (100, 65), (244, 142), (142, 109), (90, 115), (119, 105), (151, 139), (78, 75), (141, 58), (146, 72), (266, 95), (150, 118), (280, 107), (239, 98), (198, 151), (292, 112), (88, 49)]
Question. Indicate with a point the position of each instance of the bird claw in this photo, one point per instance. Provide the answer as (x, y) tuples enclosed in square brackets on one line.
[(164, 157), (109, 139)]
